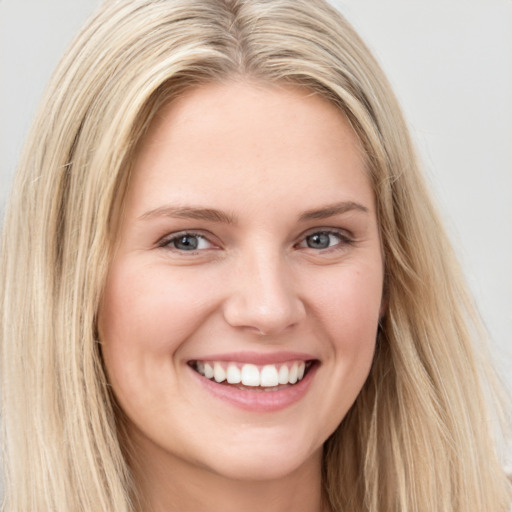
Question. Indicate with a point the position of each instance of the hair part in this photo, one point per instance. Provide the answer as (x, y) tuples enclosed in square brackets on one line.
[(418, 436)]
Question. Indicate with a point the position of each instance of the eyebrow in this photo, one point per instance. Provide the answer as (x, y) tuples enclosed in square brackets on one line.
[(190, 212), (214, 215), (332, 209)]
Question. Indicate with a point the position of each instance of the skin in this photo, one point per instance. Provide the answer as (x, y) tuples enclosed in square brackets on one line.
[(264, 156)]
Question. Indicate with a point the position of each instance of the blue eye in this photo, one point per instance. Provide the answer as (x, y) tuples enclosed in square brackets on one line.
[(323, 240), (187, 242)]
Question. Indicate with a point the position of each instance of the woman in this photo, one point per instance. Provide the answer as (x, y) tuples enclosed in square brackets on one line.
[(225, 286)]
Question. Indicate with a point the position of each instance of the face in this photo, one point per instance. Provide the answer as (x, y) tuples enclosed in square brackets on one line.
[(240, 311)]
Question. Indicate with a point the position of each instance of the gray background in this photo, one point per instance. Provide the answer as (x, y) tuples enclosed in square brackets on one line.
[(450, 62)]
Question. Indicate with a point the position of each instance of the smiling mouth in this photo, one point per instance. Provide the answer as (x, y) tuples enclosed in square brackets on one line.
[(251, 377)]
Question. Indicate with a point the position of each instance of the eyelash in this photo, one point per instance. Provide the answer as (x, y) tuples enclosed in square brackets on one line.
[(344, 240), (167, 241)]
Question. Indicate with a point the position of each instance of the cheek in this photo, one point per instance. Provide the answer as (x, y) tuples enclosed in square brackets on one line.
[(153, 306), (348, 309), (145, 316), (349, 304)]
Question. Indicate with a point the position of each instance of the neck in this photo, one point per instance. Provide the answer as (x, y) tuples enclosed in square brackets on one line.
[(173, 484)]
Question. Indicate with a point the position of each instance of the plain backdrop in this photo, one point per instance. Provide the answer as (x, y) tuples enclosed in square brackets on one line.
[(450, 62)]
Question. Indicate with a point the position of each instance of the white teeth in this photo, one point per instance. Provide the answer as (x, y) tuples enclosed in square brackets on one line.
[(218, 372), (292, 376), (233, 374), (283, 374), (250, 375), (301, 370), (208, 371), (269, 376)]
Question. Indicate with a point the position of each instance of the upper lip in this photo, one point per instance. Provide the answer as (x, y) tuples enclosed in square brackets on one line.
[(257, 358)]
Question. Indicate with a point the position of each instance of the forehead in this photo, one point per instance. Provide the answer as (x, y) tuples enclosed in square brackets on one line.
[(250, 142)]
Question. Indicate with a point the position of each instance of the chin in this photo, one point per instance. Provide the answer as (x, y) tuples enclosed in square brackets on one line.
[(259, 468), (262, 458)]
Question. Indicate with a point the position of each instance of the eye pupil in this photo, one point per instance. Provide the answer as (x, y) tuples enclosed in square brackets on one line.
[(186, 243), (318, 241)]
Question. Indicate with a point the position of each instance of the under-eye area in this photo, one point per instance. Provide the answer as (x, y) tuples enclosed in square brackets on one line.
[(269, 377)]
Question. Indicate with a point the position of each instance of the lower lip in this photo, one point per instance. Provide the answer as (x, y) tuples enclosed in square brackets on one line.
[(259, 401)]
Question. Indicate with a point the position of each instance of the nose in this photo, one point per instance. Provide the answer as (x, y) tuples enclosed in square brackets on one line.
[(262, 298)]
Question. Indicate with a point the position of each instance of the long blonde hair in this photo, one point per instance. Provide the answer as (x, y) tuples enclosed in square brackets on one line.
[(420, 435)]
